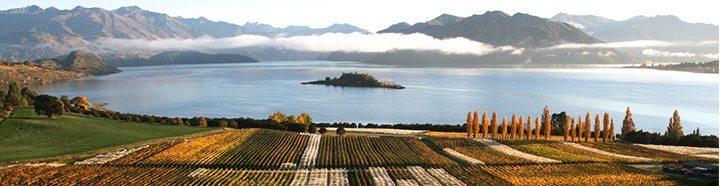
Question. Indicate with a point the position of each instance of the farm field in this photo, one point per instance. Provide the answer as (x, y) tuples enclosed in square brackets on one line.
[(25, 135), (275, 157)]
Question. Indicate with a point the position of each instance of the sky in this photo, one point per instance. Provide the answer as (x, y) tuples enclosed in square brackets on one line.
[(375, 15)]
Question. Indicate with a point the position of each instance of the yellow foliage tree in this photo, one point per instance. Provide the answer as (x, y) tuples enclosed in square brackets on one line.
[(513, 126), (485, 125), (468, 124), (504, 127), (573, 129), (597, 127), (476, 124), (494, 125), (566, 128), (521, 126), (547, 124), (537, 127)]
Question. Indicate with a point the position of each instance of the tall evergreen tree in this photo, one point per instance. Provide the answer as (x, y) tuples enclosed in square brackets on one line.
[(628, 124), (675, 129)]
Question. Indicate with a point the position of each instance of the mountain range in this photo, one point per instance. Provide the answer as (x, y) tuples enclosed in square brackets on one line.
[(663, 27), (34, 33), (499, 29)]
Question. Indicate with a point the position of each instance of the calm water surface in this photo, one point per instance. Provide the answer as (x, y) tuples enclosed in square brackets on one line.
[(432, 95)]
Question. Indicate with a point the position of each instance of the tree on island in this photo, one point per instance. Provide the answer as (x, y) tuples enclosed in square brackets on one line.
[(48, 105), (674, 129)]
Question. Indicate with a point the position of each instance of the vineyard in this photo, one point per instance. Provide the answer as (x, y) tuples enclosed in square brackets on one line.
[(274, 157), (360, 151)]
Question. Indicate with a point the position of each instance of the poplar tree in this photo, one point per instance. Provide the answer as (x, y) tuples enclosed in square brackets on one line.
[(628, 124), (537, 127), (573, 129), (476, 124), (606, 126), (566, 128), (612, 130), (675, 129), (580, 127), (521, 127), (486, 124), (597, 127), (547, 123), (504, 127), (494, 125), (513, 126), (529, 127), (468, 125)]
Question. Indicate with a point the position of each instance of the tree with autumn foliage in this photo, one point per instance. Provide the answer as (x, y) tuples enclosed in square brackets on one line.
[(504, 127), (573, 129), (566, 128), (606, 127), (513, 126), (537, 127), (597, 127), (494, 125), (476, 124), (628, 124), (80, 104), (674, 129), (547, 125), (580, 127), (588, 122), (469, 124), (521, 127), (485, 125), (611, 132), (529, 128)]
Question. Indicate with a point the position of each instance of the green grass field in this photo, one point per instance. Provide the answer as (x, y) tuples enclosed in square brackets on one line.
[(26, 136)]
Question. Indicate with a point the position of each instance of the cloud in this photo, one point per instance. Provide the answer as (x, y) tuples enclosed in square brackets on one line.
[(662, 53), (353, 42), (632, 44)]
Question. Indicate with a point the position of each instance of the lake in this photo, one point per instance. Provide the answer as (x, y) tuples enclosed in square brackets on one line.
[(432, 95)]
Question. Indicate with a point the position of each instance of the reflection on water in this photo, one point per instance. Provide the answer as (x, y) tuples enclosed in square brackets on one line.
[(432, 95)]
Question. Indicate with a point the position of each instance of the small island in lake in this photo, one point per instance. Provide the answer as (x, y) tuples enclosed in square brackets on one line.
[(355, 80), (706, 67)]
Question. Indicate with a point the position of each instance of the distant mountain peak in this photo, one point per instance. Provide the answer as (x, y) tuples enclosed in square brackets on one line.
[(128, 10), (445, 19), (32, 9), (496, 13)]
